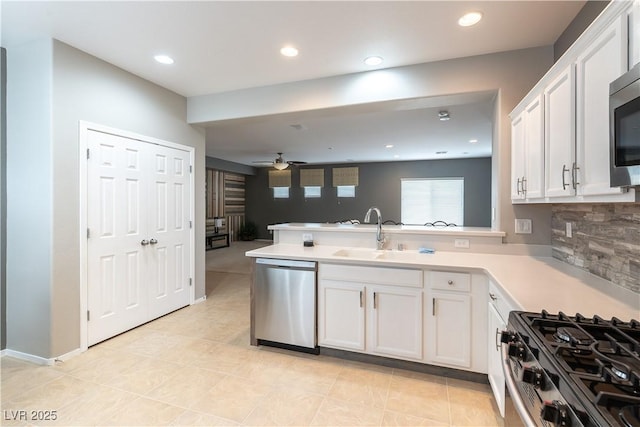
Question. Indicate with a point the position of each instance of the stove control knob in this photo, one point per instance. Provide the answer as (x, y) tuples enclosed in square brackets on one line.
[(534, 376), (508, 337), (556, 413), (518, 350)]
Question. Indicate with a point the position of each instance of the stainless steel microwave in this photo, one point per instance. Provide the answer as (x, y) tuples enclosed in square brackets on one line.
[(624, 129)]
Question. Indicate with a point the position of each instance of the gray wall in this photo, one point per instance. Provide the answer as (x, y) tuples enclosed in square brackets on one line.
[(379, 185), (227, 166), (51, 87), (583, 19)]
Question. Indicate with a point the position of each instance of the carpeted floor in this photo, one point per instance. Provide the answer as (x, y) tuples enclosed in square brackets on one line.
[(232, 259)]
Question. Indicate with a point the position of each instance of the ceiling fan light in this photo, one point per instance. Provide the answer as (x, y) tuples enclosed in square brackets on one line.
[(281, 166)]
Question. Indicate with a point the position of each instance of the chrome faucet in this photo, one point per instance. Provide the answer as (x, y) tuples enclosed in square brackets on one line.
[(379, 236)]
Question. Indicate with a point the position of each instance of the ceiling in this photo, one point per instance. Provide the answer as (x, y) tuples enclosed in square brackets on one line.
[(224, 46)]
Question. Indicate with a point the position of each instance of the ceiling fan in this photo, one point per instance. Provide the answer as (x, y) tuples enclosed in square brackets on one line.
[(279, 163)]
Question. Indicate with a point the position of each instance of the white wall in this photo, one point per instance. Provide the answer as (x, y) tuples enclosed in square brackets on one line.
[(510, 74), (29, 197), (51, 90)]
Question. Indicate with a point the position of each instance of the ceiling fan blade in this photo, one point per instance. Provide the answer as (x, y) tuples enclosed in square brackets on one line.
[(296, 162)]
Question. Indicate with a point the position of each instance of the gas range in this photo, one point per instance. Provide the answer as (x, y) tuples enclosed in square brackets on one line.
[(573, 371)]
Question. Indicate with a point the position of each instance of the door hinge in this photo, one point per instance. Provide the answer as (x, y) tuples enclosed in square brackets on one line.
[(190, 282), (190, 169), (88, 233), (190, 224), (88, 316), (88, 154)]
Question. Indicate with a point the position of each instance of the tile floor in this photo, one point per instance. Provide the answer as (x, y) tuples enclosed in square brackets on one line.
[(195, 367)]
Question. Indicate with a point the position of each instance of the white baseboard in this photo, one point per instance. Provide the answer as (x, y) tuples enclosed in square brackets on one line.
[(199, 300), (2, 352), (28, 357), (69, 355)]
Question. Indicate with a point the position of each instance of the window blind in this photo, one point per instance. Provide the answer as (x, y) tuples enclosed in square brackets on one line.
[(279, 178), (311, 177), (345, 176)]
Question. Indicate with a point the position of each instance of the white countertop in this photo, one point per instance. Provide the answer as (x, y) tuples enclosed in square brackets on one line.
[(399, 229), (533, 283)]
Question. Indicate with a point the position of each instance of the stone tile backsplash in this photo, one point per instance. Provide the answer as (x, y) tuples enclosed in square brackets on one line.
[(605, 241)]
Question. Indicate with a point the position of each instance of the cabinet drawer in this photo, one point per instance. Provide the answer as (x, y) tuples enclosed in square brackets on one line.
[(449, 281), (375, 275)]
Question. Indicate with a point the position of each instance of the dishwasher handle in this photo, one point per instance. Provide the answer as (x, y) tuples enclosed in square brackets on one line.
[(287, 263)]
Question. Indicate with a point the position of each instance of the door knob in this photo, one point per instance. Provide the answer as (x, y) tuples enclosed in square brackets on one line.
[(153, 241), (144, 242)]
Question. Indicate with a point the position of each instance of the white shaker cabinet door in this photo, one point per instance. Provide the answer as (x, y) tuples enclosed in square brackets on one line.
[(534, 152), (600, 64), (517, 157), (341, 315), (449, 332), (396, 321), (494, 368), (560, 148)]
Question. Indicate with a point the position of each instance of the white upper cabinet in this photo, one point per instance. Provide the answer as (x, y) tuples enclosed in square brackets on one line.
[(559, 135), (602, 62), (560, 130), (527, 155)]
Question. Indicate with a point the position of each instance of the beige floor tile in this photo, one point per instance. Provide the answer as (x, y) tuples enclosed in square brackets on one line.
[(222, 357), (419, 397), (232, 398), (153, 342), (96, 404), (19, 377), (369, 388), (340, 413), (396, 419), (309, 377), (285, 407), (186, 386), (144, 376), (143, 412), (52, 395), (106, 367), (191, 418)]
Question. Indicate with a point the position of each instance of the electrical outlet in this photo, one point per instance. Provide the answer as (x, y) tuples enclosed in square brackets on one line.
[(568, 230), (523, 226), (307, 237), (461, 243)]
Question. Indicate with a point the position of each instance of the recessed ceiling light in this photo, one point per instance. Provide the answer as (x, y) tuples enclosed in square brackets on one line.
[(289, 51), (396, 156), (164, 59), (389, 146), (469, 19), (373, 60), (441, 152), (443, 116), (473, 141)]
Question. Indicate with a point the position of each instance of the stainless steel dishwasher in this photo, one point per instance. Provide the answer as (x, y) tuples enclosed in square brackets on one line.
[(285, 304)]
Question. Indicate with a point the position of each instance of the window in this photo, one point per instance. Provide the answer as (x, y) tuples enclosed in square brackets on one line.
[(346, 190), (311, 192), (428, 200), (280, 192)]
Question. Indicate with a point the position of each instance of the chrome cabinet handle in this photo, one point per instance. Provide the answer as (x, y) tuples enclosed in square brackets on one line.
[(498, 345), (144, 242), (153, 241), (518, 186), (450, 282), (360, 299), (433, 306), (574, 175), (375, 301), (493, 296), (564, 184), (524, 186)]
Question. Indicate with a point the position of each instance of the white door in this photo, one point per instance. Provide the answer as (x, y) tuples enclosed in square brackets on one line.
[(133, 197), (168, 231)]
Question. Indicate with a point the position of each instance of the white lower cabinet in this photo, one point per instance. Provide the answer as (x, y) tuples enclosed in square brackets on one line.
[(396, 321), (456, 320), (449, 332), (382, 318), (341, 315)]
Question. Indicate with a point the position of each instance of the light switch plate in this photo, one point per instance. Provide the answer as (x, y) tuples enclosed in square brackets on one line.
[(523, 226)]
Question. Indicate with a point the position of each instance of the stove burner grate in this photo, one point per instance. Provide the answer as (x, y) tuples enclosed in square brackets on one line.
[(573, 336), (630, 416)]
